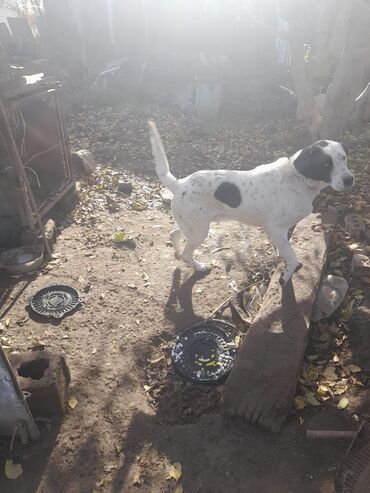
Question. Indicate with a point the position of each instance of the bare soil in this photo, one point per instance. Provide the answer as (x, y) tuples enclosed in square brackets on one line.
[(134, 417)]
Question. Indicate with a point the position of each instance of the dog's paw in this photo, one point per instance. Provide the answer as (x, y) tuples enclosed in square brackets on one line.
[(201, 267), (287, 275)]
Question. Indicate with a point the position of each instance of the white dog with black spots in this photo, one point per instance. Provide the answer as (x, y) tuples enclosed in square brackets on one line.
[(274, 196)]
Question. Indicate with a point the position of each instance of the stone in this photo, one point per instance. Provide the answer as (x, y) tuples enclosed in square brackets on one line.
[(125, 187), (83, 162), (46, 377), (51, 231), (360, 266)]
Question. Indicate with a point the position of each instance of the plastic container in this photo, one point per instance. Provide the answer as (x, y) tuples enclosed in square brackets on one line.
[(330, 296)]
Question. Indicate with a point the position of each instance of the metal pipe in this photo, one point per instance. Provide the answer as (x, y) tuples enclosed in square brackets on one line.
[(328, 434)]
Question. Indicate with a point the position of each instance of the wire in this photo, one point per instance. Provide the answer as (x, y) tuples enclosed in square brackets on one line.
[(34, 172), (40, 153), (17, 117)]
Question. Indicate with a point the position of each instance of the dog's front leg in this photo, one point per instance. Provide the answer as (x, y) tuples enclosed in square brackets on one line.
[(279, 237)]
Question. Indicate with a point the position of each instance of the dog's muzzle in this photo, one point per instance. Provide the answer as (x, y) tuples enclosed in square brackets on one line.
[(348, 181)]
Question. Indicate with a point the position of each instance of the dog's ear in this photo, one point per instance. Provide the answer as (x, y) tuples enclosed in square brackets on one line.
[(314, 163), (322, 143)]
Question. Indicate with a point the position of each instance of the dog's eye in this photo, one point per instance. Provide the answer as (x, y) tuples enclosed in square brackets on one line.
[(326, 165)]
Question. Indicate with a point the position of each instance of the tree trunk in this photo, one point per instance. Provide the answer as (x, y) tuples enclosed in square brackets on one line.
[(292, 12), (351, 74), (350, 37), (331, 35)]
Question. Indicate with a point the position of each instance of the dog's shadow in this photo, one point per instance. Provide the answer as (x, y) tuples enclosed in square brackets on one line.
[(179, 306)]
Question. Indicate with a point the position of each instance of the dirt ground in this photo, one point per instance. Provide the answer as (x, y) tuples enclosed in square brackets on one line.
[(134, 417)]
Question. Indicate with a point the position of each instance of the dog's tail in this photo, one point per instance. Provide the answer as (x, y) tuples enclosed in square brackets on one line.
[(161, 164)]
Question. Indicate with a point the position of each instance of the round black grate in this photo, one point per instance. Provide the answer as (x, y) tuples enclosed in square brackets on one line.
[(205, 353), (55, 301)]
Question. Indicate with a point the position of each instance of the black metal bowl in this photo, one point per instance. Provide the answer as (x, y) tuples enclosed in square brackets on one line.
[(55, 301), (205, 353)]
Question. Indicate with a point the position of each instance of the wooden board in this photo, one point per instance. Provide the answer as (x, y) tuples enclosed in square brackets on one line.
[(261, 385)]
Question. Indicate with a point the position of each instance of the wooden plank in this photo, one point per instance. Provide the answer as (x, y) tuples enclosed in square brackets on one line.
[(261, 385)]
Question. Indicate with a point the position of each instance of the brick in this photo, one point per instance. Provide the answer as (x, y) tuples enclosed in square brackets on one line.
[(46, 377)]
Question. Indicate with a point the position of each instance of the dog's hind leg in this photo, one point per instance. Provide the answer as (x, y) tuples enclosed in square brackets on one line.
[(279, 238), (176, 236), (194, 235), (187, 255)]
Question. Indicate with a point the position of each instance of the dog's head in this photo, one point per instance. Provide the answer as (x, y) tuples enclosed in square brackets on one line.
[(325, 162)]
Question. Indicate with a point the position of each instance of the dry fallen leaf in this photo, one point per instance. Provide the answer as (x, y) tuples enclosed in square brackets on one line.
[(175, 471), (341, 386), (72, 402), (137, 481), (353, 246), (13, 471), (312, 374), (343, 403), (156, 360), (347, 312), (7, 322), (119, 237), (136, 206), (299, 402), (233, 285), (311, 399), (330, 374), (313, 357), (322, 390), (352, 368), (121, 460)]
